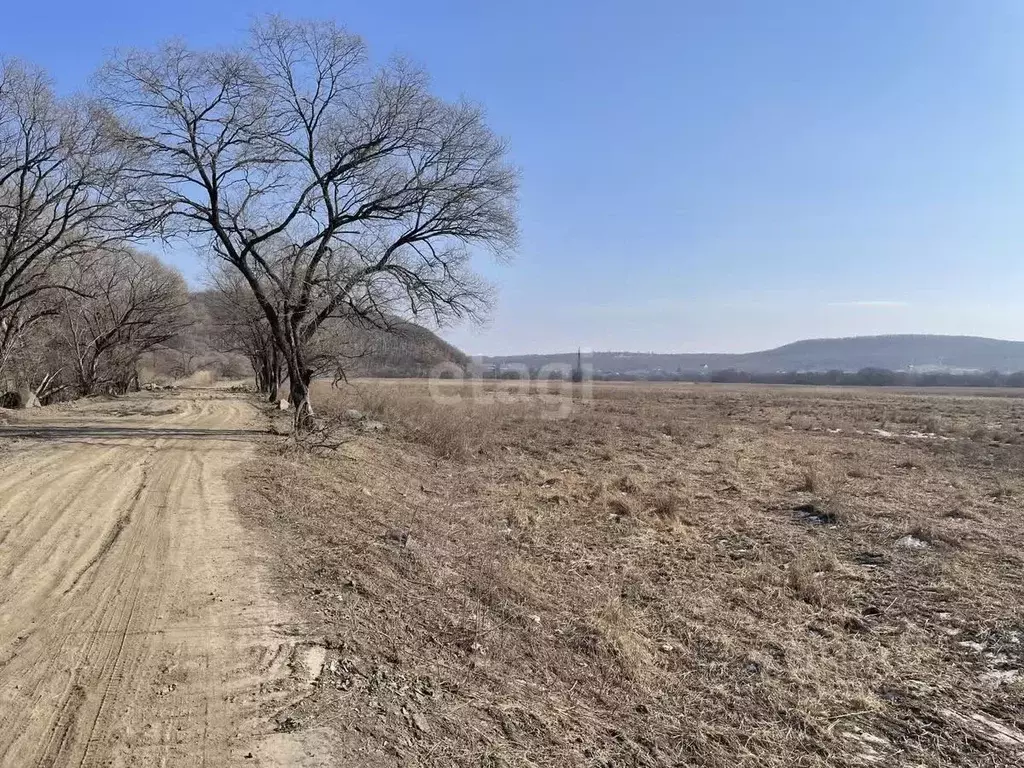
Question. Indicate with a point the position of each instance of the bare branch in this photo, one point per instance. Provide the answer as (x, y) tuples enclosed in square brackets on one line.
[(338, 191)]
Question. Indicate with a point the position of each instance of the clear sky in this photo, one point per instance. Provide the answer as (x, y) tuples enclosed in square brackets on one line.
[(713, 175)]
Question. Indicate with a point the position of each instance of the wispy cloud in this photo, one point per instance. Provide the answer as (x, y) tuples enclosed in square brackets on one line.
[(869, 304)]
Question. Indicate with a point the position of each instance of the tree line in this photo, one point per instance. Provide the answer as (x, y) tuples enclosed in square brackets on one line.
[(865, 377), (328, 193)]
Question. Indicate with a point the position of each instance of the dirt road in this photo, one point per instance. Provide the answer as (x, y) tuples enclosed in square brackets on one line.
[(135, 625)]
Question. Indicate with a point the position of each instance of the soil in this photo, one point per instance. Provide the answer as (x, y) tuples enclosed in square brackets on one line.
[(135, 629)]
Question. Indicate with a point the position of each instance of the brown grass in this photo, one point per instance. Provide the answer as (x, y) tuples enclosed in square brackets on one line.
[(666, 506), (631, 586)]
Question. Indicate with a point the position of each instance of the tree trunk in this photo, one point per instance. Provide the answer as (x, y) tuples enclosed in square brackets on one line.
[(274, 388), (299, 379), (259, 367), (303, 409), (273, 374), (267, 373), (288, 338), (86, 385)]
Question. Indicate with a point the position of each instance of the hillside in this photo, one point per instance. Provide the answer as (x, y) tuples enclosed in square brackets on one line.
[(206, 343), (407, 350), (897, 353)]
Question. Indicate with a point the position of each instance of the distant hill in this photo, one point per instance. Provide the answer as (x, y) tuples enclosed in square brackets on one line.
[(407, 350), (896, 353)]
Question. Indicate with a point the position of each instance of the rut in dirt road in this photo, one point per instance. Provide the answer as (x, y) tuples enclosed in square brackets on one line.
[(134, 627)]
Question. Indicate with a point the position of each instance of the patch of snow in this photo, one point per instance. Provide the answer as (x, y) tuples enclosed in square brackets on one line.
[(310, 661), (916, 435), (912, 542), (997, 677)]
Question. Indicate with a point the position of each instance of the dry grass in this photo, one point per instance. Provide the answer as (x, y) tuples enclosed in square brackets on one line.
[(667, 506), (450, 433), (672, 575)]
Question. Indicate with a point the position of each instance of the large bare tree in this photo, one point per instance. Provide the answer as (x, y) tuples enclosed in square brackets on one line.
[(336, 188), (123, 305), (63, 176)]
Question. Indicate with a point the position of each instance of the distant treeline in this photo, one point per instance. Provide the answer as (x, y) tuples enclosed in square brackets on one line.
[(866, 377), (874, 377)]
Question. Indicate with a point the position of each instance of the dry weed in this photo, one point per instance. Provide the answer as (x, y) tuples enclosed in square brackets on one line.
[(621, 506), (536, 617), (666, 507)]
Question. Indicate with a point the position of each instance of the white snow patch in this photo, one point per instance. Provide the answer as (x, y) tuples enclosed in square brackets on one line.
[(997, 677), (912, 542), (309, 662)]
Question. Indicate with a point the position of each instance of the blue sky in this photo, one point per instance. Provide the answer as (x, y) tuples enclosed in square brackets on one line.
[(720, 175)]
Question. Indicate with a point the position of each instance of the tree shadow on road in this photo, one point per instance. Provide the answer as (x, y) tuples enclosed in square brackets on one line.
[(79, 433)]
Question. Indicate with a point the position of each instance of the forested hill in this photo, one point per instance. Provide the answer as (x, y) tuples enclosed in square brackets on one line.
[(896, 353), (404, 349)]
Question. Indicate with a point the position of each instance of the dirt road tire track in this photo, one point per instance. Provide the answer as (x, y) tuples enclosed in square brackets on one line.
[(133, 617)]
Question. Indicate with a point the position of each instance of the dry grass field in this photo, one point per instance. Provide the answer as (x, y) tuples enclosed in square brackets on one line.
[(671, 575)]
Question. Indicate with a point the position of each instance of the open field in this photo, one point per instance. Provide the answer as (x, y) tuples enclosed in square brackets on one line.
[(668, 575), (671, 575)]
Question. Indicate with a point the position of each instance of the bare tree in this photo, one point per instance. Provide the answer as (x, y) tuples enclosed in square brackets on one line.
[(335, 188), (123, 305), (62, 182), (240, 326), (33, 361)]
